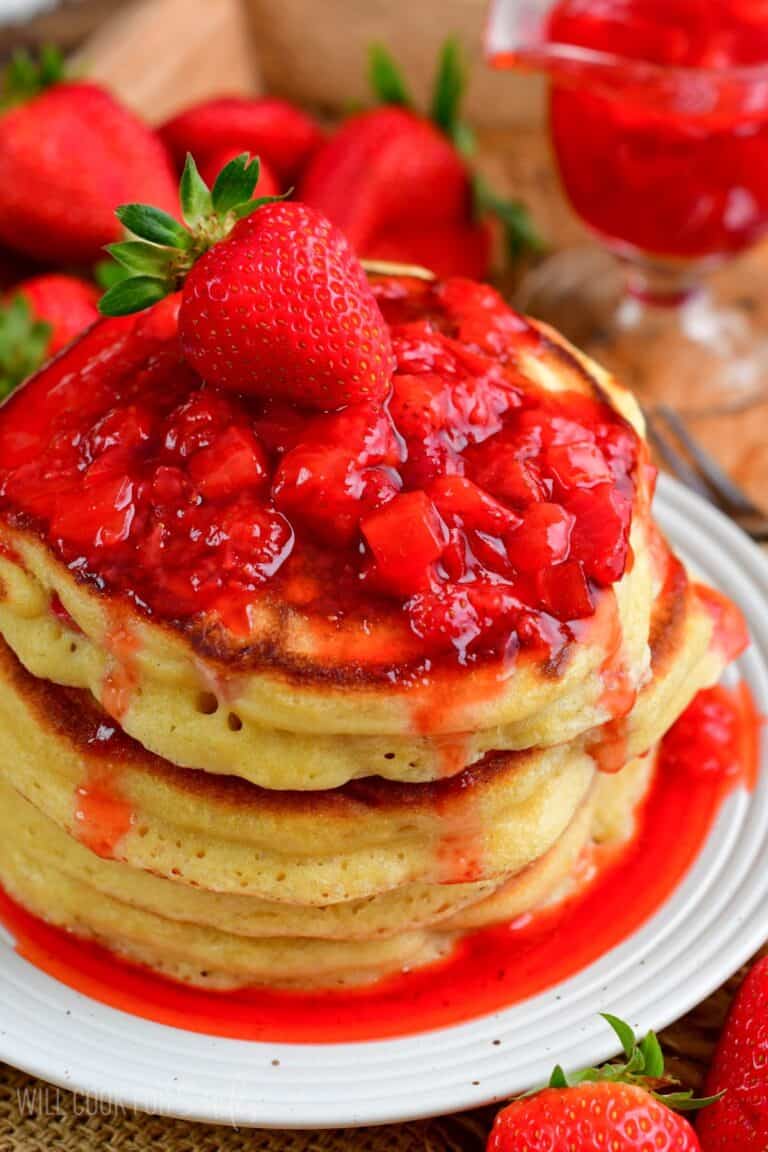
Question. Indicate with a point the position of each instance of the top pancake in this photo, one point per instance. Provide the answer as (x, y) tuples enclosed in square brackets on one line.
[(307, 691)]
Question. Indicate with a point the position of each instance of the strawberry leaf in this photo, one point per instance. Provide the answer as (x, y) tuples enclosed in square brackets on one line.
[(450, 82), (558, 1079), (623, 1031), (132, 295), (106, 273), (194, 193), (685, 1101), (236, 183), (520, 234), (160, 252), (652, 1055), (140, 259), (154, 225), (24, 342), (386, 79)]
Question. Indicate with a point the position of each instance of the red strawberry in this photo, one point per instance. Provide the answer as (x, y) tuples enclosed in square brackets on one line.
[(37, 319), (385, 168), (601, 1109), (739, 1121), (274, 302), (400, 185), (210, 167), (281, 134), (69, 155), (65, 303), (296, 318)]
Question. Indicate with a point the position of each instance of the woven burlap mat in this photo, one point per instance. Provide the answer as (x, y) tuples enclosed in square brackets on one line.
[(34, 1116)]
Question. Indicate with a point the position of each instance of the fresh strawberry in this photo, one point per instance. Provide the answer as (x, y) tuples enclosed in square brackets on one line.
[(37, 319), (400, 185), (273, 303), (65, 303), (267, 184), (281, 134), (69, 155), (387, 168), (616, 1107), (739, 1121)]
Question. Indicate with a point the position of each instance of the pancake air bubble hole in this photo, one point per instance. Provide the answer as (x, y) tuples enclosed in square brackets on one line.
[(389, 755), (234, 723), (207, 704)]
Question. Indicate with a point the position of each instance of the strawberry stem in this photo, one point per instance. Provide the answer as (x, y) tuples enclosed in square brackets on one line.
[(386, 79), (25, 76), (643, 1067), (159, 252)]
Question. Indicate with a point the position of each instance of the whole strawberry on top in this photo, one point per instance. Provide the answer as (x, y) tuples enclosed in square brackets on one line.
[(37, 319), (70, 153), (282, 135), (616, 1108), (273, 300), (739, 1121), (401, 185)]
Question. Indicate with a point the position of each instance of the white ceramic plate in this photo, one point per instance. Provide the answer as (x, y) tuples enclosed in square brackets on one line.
[(714, 921)]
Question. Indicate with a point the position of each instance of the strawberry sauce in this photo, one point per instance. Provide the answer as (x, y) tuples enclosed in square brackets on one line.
[(709, 752), (102, 816), (671, 160), (467, 516)]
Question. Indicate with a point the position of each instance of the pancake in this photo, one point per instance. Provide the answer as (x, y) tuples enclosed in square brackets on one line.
[(309, 698), (226, 941), (225, 835)]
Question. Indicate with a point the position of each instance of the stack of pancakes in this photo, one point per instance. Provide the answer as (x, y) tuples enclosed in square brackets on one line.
[(286, 811)]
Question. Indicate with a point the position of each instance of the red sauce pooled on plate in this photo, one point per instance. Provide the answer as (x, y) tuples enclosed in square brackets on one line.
[(710, 751)]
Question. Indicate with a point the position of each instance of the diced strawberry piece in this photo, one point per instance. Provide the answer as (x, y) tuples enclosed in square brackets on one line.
[(406, 537), (124, 428), (498, 468), (456, 559), (564, 591), (100, 518), (542, 539), (482, 317), (463, 504), (107, 466), (322, 488), (468, 617), (564, 430), (171, 488), (280, 428), (257, 541), (197, 422), (601, 531), (364, 430), (620, 445), (577, 465), (235, 462), (444, 619)]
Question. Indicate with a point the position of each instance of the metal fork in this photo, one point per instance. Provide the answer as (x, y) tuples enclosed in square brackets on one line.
[(693, 465)]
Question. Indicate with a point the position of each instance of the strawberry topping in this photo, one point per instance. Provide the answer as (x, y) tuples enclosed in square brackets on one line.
[(482, 511)]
